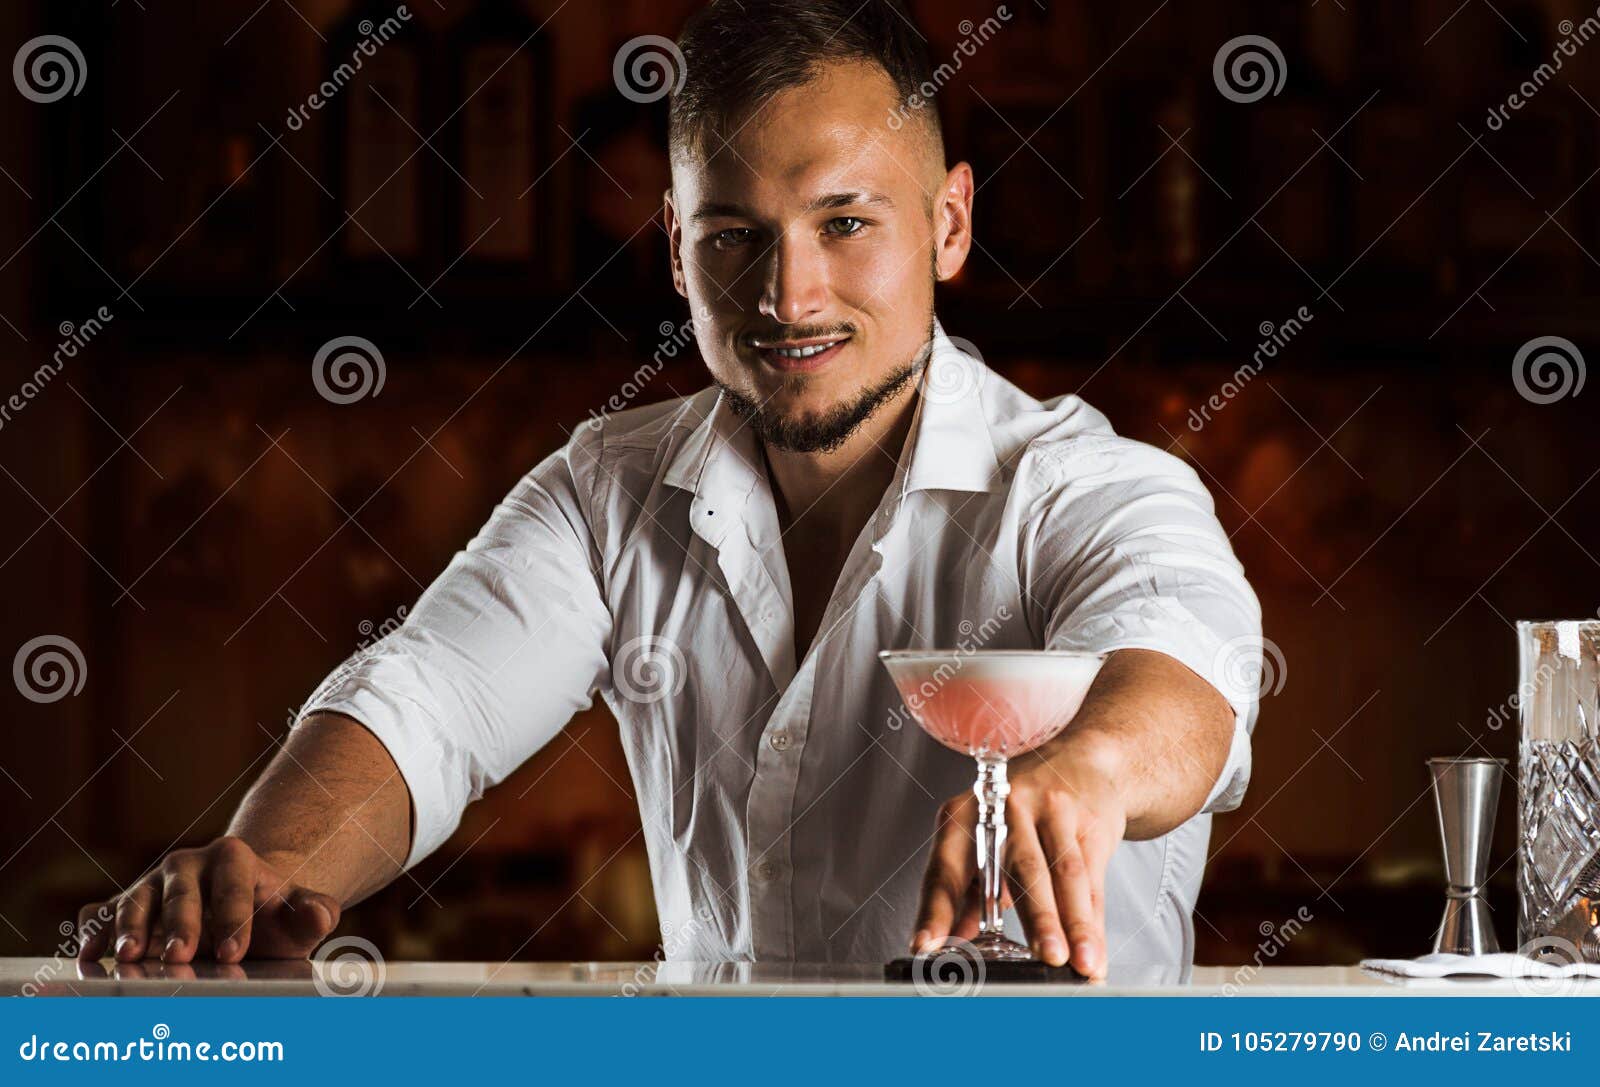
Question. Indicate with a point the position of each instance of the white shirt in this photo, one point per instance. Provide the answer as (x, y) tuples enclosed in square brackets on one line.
[(789, 807)]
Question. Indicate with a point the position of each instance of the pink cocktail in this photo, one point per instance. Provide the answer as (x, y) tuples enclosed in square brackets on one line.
[(992, 704)]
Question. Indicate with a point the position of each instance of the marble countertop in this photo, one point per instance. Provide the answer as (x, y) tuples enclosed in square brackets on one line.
[(336, 976)]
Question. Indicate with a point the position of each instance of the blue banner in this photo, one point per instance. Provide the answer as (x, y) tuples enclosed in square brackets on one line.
[(783, 1041)]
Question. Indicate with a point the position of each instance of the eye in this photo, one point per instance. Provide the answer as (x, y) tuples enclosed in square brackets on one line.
[(845, 226), (733, 236)]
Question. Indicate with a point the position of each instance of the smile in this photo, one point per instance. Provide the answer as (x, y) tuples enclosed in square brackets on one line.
[(793, 356)]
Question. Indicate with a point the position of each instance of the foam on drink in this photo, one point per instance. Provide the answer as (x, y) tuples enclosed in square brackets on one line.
[(994, 703)]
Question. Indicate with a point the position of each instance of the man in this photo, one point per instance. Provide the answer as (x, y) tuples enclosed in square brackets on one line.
[(723, 569)]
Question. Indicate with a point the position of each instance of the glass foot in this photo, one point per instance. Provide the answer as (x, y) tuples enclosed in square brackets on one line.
[(994, 947)]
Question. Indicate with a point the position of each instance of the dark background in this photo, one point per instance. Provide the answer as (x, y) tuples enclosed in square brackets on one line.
[(214, 535)]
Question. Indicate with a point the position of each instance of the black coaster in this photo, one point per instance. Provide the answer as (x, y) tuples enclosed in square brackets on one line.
[(950, 971)]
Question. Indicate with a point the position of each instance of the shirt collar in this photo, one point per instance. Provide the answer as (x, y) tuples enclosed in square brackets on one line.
[(950, 444), (720, 463), (951, 447)]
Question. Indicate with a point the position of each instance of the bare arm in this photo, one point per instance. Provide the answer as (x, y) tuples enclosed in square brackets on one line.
[(331, 809), (325, 825), (1155, 731)]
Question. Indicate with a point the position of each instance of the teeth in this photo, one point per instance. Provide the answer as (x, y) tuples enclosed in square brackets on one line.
[(803, 352)]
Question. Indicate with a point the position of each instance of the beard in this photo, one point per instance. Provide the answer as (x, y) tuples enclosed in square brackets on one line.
[(824, 432)]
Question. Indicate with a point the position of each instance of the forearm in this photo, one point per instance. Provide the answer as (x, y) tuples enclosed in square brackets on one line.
[(1157, 732), (331, 812)]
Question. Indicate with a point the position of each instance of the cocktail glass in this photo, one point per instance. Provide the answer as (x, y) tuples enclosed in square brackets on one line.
[(992, 704)]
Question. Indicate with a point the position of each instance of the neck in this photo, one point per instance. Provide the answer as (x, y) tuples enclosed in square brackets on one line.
[(837, 491)]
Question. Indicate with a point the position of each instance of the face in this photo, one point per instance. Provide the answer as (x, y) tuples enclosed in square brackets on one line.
[(808, 248)]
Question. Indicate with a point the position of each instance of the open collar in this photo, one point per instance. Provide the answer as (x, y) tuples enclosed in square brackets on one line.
[(951, 445), (720, 464)]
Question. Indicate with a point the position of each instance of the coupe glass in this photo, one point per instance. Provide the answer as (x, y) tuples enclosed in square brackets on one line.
[(992, 704)]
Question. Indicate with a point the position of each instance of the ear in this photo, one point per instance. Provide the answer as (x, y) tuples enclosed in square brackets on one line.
[(952, 221), (674, 225)]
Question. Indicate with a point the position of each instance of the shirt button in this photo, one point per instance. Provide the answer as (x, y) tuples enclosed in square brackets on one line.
[(766, 870), (779, 741)]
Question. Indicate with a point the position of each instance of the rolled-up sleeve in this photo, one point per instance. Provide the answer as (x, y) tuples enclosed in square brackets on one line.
[(1121, 549), (497, 655)]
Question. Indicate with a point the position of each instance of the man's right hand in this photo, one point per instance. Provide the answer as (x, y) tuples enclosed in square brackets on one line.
[(221, 901)]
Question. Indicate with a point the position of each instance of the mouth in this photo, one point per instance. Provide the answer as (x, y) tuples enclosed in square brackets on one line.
[(799, 356)]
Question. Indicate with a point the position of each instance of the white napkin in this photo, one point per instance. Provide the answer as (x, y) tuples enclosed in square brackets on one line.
[(1505, 964)]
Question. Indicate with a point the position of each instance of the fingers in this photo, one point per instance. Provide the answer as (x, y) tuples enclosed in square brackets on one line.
[(133, 921), (222, 901), (181, 909), (1029, 875), (950, 869), (231, 879), (1073, 881), (311, 916), (967, 924), (93, 935), (1097, 851)]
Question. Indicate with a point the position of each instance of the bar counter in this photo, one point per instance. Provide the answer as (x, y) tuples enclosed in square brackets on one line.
[(60, 977)]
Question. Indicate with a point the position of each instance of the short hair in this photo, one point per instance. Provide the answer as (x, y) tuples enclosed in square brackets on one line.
[(739, 53)]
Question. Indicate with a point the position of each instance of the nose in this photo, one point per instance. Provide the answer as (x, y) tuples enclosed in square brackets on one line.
[(794, 283)]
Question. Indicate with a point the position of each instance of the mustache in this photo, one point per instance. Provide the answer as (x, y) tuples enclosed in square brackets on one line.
[(795, 332)]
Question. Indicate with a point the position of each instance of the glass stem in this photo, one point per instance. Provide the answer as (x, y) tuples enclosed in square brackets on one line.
[(991, 789)]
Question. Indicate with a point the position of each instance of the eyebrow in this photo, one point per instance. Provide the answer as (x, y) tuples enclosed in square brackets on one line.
[(856, 198)]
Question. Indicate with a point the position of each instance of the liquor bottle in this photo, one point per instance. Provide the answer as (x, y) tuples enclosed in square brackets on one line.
[(1529, 163), (383, 108), (1400, 145), (1292, 179), (1159, 194), (1024, 142), (500, 72), (229, 191), (1156, 188), (618, 192)]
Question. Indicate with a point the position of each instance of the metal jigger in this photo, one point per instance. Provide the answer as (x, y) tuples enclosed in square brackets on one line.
[(1465, 792)]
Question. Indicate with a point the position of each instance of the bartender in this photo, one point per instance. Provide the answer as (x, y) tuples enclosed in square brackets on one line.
[(722, 570)]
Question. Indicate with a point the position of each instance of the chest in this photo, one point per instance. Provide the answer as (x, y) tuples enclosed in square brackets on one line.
[(813, 577), (745, 602)]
